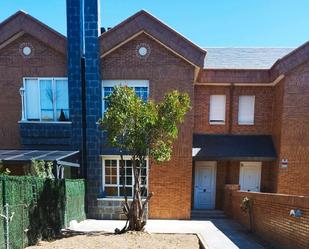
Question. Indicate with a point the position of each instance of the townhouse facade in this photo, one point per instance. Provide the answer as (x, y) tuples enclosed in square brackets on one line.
[(248, 124)]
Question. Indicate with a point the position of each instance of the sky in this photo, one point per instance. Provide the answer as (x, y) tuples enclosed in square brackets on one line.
[(208, 23)]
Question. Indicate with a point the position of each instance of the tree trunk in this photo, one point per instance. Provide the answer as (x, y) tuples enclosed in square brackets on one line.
[(135, 211)]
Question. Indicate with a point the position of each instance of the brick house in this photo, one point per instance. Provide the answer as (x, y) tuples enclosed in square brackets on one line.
[(248, 124)]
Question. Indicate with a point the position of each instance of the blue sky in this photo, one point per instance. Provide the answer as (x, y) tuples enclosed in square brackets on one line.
[(208, 23)]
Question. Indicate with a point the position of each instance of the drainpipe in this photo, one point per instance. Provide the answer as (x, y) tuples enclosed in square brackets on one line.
[(231, 120), (84, 118)]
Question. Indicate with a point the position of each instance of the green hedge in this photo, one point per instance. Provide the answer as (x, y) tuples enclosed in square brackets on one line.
[(2, 245), (42, 207)]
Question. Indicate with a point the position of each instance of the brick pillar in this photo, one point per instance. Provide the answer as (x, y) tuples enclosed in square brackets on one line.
[(74, 55), (93, 102)]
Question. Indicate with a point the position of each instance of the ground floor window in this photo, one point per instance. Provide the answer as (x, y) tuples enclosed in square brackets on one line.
[(115, 178)]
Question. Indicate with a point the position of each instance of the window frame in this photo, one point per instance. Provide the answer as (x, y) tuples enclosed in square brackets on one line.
[(209, 118), (118, 185), (122, 83), (246, 123), (24, 100)]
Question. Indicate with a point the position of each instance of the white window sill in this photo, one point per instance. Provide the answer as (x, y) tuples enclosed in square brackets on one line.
[(217, 123), (43, 122), (116, 199), (245, 123)]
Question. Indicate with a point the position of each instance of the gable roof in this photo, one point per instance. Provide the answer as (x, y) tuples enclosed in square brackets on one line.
[(142, 21), (291, 60), (21, 23), (243, 58)]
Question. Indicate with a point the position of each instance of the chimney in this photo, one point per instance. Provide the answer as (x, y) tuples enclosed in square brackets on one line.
[(93, 96), (85, 92), (75, 39)]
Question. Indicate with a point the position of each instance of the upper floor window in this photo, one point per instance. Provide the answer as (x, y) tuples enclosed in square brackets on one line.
[(45, 99), (141, 88), (246, 110), (217, 109)]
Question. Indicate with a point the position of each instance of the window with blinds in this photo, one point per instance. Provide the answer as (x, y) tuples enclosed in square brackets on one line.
[(246, 110), (217, 109)]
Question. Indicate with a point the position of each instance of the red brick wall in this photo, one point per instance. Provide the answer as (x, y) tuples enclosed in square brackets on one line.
[(44, 62), (276, 129), (271, 219), (294, 142), (263, 109), (170, 181), (202, 105)]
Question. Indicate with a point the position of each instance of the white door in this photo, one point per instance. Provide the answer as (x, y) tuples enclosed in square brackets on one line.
[(205, 185), (250, 176)]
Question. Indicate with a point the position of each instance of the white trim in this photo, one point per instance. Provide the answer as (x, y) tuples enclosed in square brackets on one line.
[(119, 82), (129, 83), (216, 123), (11, 39), (273, 83), (143, 32), (117, 157), (116, 199), (44, 122), (243, 165), (24, 99), (205, 164)]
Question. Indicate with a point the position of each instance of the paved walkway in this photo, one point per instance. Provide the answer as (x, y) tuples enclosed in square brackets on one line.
[(215, 234)]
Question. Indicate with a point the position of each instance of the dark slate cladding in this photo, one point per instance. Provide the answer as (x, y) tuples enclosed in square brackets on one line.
[(75, 53), (233, 147), (93, 98), (46, 135)]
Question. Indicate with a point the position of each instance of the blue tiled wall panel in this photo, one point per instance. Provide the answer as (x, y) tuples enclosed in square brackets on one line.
[(75, 52), (93, 103), (46, 135)]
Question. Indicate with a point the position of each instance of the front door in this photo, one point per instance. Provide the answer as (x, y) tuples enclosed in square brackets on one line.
[(205, 185), (250, 176)]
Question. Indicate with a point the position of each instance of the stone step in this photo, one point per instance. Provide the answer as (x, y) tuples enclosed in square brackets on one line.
[(207, 214)]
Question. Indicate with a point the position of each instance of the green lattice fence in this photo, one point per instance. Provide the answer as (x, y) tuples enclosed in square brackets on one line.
[(2, 241), (74, 202), (40, 207)]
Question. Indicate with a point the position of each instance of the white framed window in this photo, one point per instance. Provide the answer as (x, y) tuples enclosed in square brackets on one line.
[(246, 110), (217, 109), (114, 177), (141, 88), (45, 99)]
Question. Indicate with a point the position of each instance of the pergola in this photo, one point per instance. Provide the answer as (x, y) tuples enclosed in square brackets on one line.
[(25, 156)]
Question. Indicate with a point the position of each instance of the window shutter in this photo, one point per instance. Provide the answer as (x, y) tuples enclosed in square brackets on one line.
[(217, 109), (246, 109), (32, 99)]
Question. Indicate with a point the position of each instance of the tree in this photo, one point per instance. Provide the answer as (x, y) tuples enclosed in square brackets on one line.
[(142, 129), (42, 169)]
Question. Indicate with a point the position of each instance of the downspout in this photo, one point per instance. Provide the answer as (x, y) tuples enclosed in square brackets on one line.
[(84, 118), (231, 120)]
